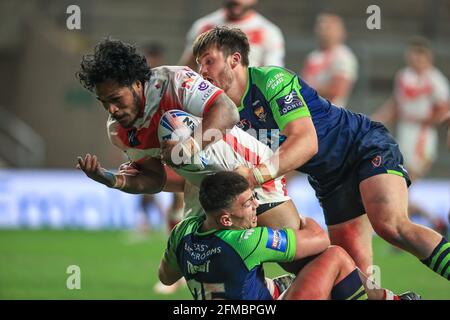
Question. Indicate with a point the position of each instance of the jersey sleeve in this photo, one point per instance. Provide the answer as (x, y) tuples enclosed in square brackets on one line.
[(440, 89), (283, 91), (170, 254), (262, 244), (195, 93)]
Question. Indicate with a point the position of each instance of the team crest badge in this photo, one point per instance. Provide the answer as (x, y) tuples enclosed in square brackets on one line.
[(376, 162), (259, 112)]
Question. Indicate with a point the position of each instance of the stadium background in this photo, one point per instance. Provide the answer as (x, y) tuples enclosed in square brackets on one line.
[(47, 119)]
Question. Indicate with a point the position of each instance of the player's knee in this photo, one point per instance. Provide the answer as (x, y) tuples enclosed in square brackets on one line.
[(390, 231), (340, 256)]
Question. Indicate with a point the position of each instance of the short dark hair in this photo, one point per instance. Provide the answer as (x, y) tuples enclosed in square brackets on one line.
[(113, 60), (219, 191), (227, 39)]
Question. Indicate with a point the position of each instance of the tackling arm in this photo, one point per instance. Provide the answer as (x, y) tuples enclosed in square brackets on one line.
[(311, 239), (299, 147)]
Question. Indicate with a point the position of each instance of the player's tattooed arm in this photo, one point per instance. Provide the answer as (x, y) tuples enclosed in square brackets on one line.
[(146, 177)]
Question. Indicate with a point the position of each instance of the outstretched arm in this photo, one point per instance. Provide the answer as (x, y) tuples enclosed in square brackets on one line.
[(148, 177)]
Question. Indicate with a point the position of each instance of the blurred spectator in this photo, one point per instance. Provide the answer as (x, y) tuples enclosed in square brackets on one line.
[(332, 69), (419, 103), (154, 53), (266, 39)]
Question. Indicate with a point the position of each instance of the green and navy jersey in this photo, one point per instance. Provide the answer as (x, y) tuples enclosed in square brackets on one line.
[(276, 96), (227, 264)]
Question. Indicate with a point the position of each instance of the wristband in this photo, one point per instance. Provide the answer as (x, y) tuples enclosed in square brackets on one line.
[(120, 182), (258, 175), (273, 172)]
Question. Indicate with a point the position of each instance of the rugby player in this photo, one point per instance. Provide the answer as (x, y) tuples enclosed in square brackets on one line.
[(221, 254), (353, 163), (136, 97)]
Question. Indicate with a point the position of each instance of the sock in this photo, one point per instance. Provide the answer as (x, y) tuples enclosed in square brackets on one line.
[(389, 295), (439, 261), (349, 288)]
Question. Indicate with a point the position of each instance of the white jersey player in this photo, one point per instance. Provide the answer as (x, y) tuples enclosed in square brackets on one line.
[(419, 103), (322, 67), (265, 38), (333, 68), (416, 96), (180, 88)]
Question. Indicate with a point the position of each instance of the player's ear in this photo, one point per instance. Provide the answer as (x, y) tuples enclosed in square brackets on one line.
[(235, 59), (137, 84), (225, 219)]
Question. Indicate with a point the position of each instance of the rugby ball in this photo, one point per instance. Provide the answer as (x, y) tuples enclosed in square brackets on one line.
[(177, 125)]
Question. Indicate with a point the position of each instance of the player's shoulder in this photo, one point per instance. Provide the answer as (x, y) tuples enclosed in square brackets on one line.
[(187, 226), (437, 76), (271, 78), (240, 238)]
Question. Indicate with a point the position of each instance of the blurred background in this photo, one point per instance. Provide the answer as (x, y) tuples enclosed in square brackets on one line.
[(52, 216)]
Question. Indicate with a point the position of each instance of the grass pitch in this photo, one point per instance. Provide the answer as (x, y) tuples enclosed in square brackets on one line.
[(33, 265)]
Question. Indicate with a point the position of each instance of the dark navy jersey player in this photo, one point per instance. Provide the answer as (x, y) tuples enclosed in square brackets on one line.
[(353, 163)]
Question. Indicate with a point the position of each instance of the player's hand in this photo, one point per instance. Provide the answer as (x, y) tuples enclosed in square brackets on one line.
[(92, 168), (129, 168), (166, 152), (247, 173)]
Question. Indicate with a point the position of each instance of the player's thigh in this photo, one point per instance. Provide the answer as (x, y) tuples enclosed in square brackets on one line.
[(284, 215), (385, 197)]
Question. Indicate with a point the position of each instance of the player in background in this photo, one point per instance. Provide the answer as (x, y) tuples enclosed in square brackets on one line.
[(332, 69), (418, 105), (353, 163), (266, 39), (221, 254)]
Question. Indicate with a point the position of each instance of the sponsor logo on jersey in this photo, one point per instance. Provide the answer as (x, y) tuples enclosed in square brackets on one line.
[(247, 234), (273, 82), (132, 138), (260, 114), (203, 86), (376, 162), (289, 103), (276, 240)]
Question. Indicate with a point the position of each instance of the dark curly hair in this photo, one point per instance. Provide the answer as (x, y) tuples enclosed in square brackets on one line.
[(219, 190), (113, 60)]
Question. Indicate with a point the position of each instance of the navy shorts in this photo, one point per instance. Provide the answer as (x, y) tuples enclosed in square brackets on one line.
[(376, 153)]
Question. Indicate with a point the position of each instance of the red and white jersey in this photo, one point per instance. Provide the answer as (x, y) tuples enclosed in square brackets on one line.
[(265, 38), (416, 95), (322, 65), (237, 148), (169, 87)]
